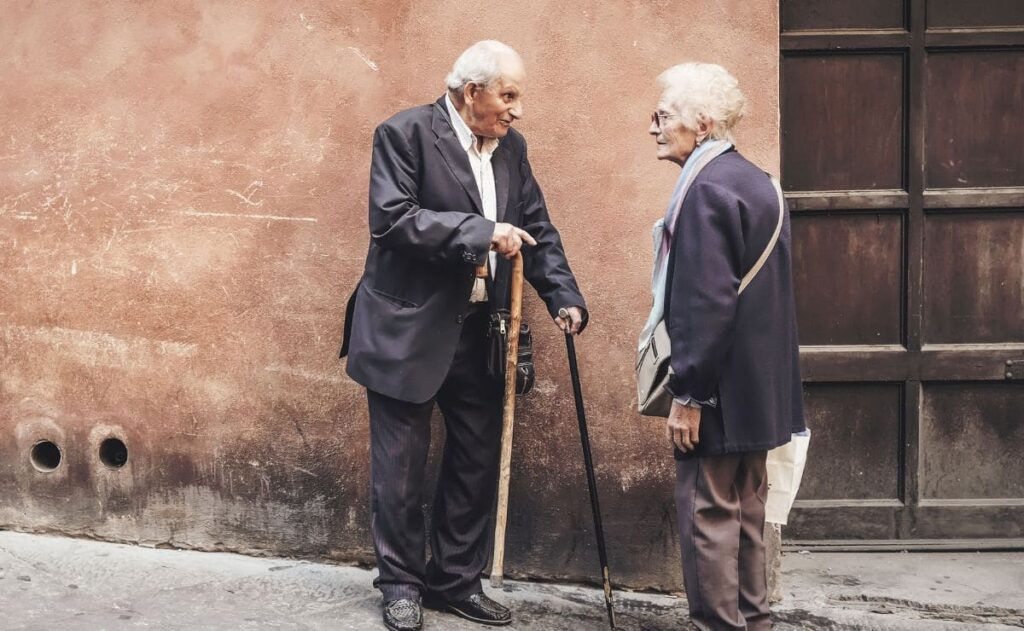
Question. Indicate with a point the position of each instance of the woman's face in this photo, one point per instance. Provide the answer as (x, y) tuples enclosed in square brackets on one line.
[(675, 141)]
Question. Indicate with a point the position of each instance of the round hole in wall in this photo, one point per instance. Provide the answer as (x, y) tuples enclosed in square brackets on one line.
[(113, 453), (45, 456)]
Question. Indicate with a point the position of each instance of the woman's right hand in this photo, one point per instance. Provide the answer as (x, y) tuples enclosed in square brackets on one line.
[(682, 428)]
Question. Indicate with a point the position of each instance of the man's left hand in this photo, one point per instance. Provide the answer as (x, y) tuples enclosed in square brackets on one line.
[(571, 323), (683, 426)]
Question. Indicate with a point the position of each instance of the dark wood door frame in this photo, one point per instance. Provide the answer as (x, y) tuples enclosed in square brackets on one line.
[(914, 363)]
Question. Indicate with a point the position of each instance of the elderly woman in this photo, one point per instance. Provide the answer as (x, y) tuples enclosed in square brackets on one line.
[(723, 288)]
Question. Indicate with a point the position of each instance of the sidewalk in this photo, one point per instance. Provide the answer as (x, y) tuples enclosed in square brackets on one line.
[(76, 585)]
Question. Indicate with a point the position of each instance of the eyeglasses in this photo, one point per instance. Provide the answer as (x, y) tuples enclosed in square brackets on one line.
[(658, 118)]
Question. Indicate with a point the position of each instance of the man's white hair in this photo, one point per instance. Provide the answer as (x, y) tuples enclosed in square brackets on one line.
[(481, 64), (699, 91)]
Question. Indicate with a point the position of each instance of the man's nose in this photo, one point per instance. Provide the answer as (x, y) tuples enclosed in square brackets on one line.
[(654, 129), (516, 111)]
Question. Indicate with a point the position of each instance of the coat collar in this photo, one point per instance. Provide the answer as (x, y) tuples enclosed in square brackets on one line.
[(462, 131), (499, 163), (453, 153)]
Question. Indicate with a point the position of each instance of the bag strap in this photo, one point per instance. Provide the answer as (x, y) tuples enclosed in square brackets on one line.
[(771, 244)]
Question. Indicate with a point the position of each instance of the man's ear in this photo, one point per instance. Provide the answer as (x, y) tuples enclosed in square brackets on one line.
[(470, 92)]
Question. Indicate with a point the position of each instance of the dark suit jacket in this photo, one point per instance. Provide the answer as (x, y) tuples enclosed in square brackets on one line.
[(740, 350), (428, 234)]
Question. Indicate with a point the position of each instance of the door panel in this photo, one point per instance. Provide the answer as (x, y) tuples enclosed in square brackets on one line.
[(903, 162), (960, 13), (972, 437), (829, 250), (856, 449), (975, 119), (816, 15), (850, 130), (978, 298)]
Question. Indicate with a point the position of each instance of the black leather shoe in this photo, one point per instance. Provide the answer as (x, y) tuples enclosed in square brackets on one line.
[(403, 614), (478, 608)]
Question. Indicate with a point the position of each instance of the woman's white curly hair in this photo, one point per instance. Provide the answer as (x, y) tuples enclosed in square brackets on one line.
[(700, 91)]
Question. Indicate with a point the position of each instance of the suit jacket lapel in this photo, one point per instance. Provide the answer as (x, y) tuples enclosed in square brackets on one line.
[(453, 153), (499, 164)]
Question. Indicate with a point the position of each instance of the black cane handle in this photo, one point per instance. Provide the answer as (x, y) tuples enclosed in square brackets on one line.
[(564, 314)]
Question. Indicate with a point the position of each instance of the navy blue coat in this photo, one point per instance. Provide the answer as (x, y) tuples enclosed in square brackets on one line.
[(427, 235), (740, 350)]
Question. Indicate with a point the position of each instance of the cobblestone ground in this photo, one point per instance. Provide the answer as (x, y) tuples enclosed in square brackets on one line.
[(79, 585)]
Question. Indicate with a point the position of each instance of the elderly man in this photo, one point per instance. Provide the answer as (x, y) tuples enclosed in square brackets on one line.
[(452, 197)]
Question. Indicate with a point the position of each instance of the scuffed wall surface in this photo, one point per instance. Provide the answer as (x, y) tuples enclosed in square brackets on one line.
[(183, 213)]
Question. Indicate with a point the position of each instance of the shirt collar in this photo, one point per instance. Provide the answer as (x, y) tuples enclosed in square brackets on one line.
[(462, 131)]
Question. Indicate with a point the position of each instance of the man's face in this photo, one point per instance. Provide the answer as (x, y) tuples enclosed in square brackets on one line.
[(493, 109), (675, 142)]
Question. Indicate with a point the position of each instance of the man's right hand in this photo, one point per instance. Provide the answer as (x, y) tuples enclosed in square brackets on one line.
[(507, 239)]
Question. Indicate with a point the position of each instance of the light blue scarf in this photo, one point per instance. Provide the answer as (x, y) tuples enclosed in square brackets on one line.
[(664, 227)]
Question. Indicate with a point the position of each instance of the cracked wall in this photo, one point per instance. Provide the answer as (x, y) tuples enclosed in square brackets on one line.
[(183, 213)]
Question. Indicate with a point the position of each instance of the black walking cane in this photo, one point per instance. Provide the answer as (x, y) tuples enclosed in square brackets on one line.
[(588, 461)]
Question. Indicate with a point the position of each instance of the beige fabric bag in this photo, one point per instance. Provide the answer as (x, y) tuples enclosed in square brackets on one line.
[(653, 365), (785, 468)]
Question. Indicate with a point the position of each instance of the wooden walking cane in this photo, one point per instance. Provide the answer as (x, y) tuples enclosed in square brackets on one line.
[(508, 416)]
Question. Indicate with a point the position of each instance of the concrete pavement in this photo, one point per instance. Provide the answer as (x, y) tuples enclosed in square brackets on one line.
[(80, 585)]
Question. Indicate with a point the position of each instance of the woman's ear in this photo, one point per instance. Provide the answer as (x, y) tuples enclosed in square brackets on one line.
[(704, 127)]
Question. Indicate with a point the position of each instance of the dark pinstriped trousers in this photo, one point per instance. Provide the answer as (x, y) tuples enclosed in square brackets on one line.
[(720, 506), (470, 402)]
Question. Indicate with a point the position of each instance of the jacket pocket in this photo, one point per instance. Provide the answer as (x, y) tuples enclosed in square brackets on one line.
[(395, 300)]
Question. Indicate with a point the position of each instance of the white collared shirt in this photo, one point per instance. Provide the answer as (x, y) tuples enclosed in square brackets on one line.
[(483, 173)]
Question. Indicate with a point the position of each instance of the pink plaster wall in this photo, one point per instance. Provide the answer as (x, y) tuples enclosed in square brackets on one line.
[(183, 212)]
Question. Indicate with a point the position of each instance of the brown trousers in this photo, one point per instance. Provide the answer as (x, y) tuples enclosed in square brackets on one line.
[(720, 505)]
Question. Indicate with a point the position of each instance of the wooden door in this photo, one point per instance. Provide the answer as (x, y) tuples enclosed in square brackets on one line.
[(903, 163)]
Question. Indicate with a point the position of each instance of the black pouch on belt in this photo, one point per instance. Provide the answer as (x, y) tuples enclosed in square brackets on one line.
[(497, 348)]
